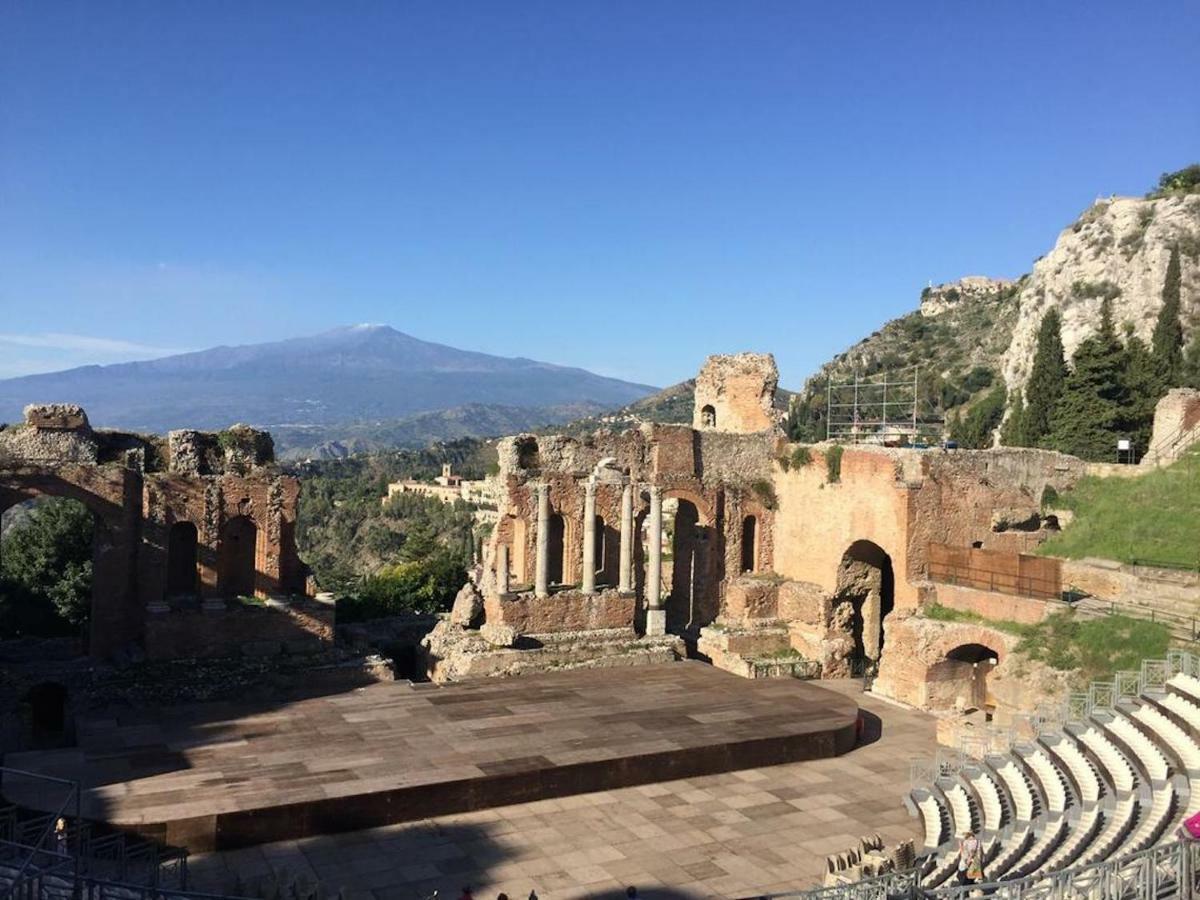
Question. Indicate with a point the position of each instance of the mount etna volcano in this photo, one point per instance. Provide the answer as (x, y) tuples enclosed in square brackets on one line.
[(357, 374)]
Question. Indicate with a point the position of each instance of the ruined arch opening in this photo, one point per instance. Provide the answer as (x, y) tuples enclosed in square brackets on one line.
[(864, 599), (182, 571), (237, 558), (608, 552), (686, 565), (557, 535), (708, 416), (750, 544), (960, 680), (527, 453), (49, 548)]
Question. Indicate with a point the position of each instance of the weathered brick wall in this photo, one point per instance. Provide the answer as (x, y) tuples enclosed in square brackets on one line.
[(562, 611), (239, 630)]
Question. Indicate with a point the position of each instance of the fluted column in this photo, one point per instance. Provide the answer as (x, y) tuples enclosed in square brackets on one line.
[(656, 616), (625, 576), (541, 584), (502, 568), (589, 537)]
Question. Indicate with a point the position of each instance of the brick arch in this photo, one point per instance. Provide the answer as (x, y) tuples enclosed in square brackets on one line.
[(113, 495), (704, 508)]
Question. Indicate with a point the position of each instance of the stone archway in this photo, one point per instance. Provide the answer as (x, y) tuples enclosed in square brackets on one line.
[(864, 598), (114, 617), (688, 603), (960, 680)]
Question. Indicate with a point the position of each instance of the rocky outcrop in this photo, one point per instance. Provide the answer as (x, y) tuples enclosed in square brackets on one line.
[(1119, 249)]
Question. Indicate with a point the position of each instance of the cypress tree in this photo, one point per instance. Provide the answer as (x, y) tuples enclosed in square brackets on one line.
[(1088, 417), (1013, 432), (1046, 380), (1142, 390), (1166, 344)]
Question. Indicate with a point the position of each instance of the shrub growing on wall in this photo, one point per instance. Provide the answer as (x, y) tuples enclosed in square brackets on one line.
[(833, 463)]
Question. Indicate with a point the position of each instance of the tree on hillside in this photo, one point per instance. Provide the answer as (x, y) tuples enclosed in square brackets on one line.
[(1013, 432), (1167, 341), (1185, 180), (1046, 379), (1088, 417), (1143, 387), (1190, 376), (975, 429)]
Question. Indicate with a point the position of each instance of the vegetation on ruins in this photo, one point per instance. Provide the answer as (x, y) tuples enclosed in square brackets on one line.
[(46, 571), (1094, 649), (1152, 519), (765, 492), (833, 463), (408, 554)]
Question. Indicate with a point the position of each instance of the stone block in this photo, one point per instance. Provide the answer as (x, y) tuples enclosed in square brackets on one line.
[(498, 635), (56, 417)]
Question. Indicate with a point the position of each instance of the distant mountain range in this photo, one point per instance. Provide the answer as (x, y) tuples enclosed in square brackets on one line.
[(308, 389)]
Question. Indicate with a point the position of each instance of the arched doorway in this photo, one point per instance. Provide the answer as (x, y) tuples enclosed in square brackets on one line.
[(236, 567), (960, 680), (749, 544), (557, 543), (685, 602), (181, 560), (708, 416), (865, 596)]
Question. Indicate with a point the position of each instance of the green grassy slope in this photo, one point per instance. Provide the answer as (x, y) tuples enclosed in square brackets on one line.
[(1151, 519)]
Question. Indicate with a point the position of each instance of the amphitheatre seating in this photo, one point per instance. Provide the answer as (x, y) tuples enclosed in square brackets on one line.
[(1084, 777), (994, 815), (1113, 781), (1050, 778)]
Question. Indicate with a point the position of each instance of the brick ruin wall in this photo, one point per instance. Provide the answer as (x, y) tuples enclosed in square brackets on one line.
[(138, 488)]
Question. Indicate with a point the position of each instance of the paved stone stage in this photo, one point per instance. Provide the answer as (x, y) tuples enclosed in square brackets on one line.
[(227, 775)]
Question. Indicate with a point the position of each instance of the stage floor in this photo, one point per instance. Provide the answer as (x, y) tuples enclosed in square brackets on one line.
[(221, 775)]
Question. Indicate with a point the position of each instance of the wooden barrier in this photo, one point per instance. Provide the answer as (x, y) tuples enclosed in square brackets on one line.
[(989, 570)]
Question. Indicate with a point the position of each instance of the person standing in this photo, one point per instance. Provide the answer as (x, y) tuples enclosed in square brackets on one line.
[(970, 860), (60, 837)]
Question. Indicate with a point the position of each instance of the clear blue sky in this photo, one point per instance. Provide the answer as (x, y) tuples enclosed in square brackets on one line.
[(624, 186)]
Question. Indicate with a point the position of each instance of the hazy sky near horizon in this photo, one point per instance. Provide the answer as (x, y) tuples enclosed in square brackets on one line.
[(623, 186)]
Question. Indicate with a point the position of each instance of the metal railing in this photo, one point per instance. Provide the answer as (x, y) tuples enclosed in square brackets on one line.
[(36, 865), (1165, 872)]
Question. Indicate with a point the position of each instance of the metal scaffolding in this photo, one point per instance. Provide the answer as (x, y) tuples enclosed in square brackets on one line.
[(878, 409)]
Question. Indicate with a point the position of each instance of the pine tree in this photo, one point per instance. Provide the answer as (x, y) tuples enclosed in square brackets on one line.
[(1046, 380), (1143, 387), (1167, 342), (1013, 432), (1088, 417)]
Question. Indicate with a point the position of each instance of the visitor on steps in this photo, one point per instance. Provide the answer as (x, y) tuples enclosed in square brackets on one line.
[(60, 837), (970, 860)]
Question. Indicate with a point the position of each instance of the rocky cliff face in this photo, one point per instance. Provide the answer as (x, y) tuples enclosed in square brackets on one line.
[(1118, 248)]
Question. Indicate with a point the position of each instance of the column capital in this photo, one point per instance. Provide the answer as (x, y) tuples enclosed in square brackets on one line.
[(589, 487), (655, 491)]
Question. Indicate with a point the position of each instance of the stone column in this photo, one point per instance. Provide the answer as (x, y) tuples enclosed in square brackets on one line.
[(625, 576), (589, 537), (541, 584), (656, 616), (502, 568)]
